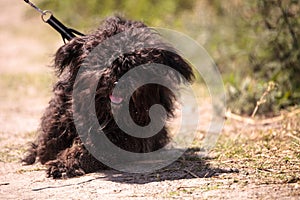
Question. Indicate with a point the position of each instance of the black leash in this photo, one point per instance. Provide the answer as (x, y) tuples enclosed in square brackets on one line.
[(47, 17)]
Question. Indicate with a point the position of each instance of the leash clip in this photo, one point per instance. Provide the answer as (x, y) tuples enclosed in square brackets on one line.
[(48, 17)]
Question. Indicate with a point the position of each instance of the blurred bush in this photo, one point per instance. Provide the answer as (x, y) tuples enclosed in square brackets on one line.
[(273, 57), (89, 12), (252, 42)]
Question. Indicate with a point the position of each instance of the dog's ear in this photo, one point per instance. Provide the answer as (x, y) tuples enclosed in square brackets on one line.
[(69, 57), (173, 59)]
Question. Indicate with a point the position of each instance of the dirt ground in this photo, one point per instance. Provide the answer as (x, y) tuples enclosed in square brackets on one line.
[(248, 162)]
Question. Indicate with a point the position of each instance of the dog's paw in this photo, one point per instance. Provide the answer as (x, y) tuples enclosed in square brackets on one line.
[(58, 169)]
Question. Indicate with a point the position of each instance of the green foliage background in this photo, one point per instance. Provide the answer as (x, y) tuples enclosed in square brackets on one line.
[(252, 42)]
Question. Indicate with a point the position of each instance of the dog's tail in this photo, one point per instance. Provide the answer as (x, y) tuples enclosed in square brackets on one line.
[(30, 158)]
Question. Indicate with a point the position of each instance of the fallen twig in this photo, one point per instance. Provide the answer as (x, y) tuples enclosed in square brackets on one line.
[(252, 121), (191, 173), (66, 185)]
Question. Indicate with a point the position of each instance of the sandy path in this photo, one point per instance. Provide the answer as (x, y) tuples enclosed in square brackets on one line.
[(23, 49), (23, 41)]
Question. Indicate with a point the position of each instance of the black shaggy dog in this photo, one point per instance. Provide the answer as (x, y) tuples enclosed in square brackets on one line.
[(59, 145)]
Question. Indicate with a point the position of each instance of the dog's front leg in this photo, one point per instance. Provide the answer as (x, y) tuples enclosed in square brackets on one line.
[(67, 163), (73, 161)]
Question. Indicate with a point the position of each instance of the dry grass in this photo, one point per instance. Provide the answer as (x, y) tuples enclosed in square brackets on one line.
[(264, 154), (267, 158)]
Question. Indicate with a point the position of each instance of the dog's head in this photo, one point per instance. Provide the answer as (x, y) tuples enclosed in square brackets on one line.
[(106, 55)]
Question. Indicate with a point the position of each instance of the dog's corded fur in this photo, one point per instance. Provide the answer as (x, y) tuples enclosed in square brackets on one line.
[(58, 144)]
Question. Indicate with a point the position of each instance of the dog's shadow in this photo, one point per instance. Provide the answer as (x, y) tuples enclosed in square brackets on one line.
[(189, 166)]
